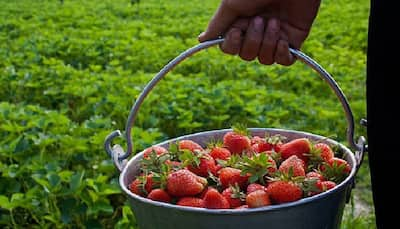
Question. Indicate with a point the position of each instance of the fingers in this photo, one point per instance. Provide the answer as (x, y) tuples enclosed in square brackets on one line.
[(282, 54), (253, 39), (266, 54), (234, 38)]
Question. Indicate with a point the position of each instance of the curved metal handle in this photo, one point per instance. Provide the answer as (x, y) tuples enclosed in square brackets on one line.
[(118, 158)]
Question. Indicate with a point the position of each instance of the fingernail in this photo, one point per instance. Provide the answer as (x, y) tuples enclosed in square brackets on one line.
[(273, 23), (201, 35), (258, 21)]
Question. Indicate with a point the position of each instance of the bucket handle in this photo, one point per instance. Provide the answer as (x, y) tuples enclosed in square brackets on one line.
[(118, 155)]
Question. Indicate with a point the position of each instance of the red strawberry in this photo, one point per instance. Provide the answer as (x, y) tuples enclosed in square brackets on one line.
[(203, 193), (236, 142), (284, 191), (191, 202), (322, 186), (278, 147), (142, 185), (234, 196), (316, 175), (189, 145), (231, 176), (340, 163), (272, 168), (220, 153), (185, 183), (159, 195), (206, 165), (336, 169), (295, 164), (271, 143), (325, 185), (324, 151), (215, 200), (256, 140), (254, 187), (299, 147), (259, 144), (257, 199), (157, 149)]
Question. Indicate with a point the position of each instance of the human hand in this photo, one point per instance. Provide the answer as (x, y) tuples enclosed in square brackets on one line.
[(262, 28)]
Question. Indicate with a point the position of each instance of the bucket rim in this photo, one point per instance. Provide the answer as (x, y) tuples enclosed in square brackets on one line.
[(339, 187)]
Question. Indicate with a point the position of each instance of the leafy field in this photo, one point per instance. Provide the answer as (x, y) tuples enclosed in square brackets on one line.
[(69, 74)]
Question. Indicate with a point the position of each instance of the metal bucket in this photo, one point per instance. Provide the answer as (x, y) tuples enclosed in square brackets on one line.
[(321, 211)]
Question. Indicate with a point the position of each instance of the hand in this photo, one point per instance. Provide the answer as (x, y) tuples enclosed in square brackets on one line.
[(262, 28)]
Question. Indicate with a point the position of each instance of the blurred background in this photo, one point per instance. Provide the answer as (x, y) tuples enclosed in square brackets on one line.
[(70, 71)]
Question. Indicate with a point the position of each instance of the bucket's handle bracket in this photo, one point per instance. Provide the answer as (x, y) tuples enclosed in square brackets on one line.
[(116, 151)]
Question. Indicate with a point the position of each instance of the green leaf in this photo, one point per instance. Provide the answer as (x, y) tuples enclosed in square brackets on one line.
[(44, 183), (22, 145), (4, 203), (54, 180), (100, 206), (76, 181)]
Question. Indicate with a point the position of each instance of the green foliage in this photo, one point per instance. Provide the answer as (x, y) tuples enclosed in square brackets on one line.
[(69, 74)]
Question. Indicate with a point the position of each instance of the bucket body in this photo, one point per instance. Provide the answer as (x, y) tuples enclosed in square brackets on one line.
[(322, 211)]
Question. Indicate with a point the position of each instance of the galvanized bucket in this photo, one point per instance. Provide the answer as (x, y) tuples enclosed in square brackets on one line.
[(321, 211)]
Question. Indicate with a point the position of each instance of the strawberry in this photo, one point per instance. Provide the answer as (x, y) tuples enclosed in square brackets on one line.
[(314, 174), (278, 147), (324, 151), (321, 186), (284, 191), (237, 141), (203, 193), (220, 153), (336, 169), (159, 195), (299, 147), (204, 167), (325, 185), (215, 200), (191, 202), (159, 150), (256, 140), (271, 143), (258, 167), (295, 164), (185, 183), (234, 196), (261, 146), (319, 153), (142, 185), (254, 187), (340, 163), (231, 176), (258, 198), (189, 145)]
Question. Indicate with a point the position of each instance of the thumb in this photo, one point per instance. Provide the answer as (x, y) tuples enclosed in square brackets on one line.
[(219, 24)]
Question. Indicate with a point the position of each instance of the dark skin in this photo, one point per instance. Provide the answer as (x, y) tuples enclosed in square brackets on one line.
[(262, 29)]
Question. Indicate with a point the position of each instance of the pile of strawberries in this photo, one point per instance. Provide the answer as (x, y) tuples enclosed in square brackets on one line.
[(241, 171)]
